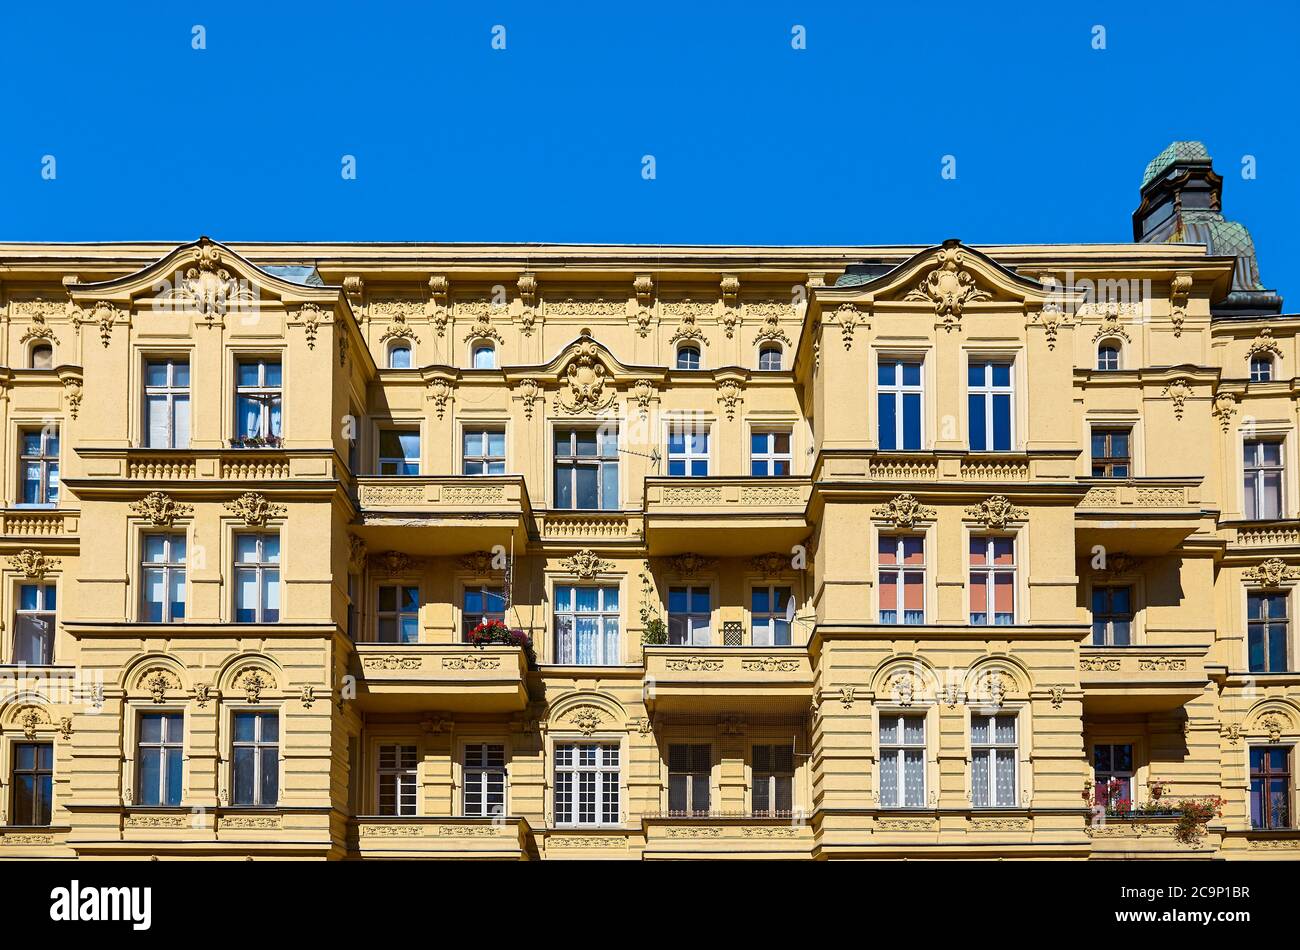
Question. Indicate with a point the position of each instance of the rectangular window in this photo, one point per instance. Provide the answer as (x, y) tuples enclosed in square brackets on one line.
[(162, 575), (255, 759), (769, 610), (167, 404), (398, 614), (399, 452), (257, 578), (39, 463), (160, 756), (1112, 453), (483, 452), (902, 761), (773, 794), (1112, 775), (1270, 787), (689, 615), (992, 580), (689, 767), (485, 780), (769, 452), (34, 624), (397, 780), (899, 404), (989, 406), (481, 604), (586, 625), (586, 468), (993, 761), (688, 450), (1112, 616), (258, 399), (1266, 632), (902, 578), (33, 782), (1263, 468), (587, 784)]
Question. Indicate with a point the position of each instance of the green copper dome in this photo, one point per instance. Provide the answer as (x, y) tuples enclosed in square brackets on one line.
[(1175, 153)]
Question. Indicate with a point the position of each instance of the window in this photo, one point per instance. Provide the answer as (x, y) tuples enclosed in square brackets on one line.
[(689, 615), (1263, 467), (33, 781), (354, 606), (34, 624), (989, 406), (902, 761), (42, 356), (162, 576), (769, 452), (39, 461), (160, 755), (688, 357), (399, 356), (902, 578), (1266, 632), (1112, 775), (484, 452), (255, 756), (481, 604), (586, 784), (992, 580), (993, 761), (770, 609), (484, 356), (1261, 369), (399, 452), (1270, 787), (773, 781), (485, 780), (1108, 355), (688, 780), (1111, 453), (586, 468), (1112, 616), (167, 404), (258, 402), (586, 625), (398, 614), (769, 357), (397, 785), (688, 449), (257, 578), (899, 401)]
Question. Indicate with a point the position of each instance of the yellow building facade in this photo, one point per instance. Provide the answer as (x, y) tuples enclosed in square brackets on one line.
[(820, 552)]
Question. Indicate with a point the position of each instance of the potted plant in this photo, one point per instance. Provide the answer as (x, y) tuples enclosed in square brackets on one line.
[(496, 632), (656, 632), (257, 442)]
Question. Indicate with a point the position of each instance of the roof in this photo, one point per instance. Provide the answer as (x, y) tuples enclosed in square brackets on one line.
[(1175, 153)]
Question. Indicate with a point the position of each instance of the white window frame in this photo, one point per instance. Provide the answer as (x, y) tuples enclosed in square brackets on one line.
[(771, 778), (901, 569), (170, 392), (681, 352), (991, 749), (401, 344), (988, 390), (50, 467), (768, 346), (263, 393), (898, 389), (688, 455), (41, 613), (257, 744), (1253, 476), (602, 615), (1110, 344), (605, 779), (168, 567), (405, 778), (397, 615), (477, 776), (696, 636), (486, 458), (572, 461), (402, 460), (1261, 360), (163, 746), (769, 617), (1129, 776), (989, 570), (482, 346), (898, 750), (770, 456), (260, 567)]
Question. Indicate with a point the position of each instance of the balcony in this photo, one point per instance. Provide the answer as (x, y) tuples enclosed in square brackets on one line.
[(1140, 679), (1139, 516), (41, 523), (697, 679), (227, 465), (1142, 837), (726, 837), (471, 513), (439, 837), (751, 515), (450, 677)]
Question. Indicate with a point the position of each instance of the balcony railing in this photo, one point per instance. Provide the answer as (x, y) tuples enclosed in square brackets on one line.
[(1142, 678), (410, 836), (711, 679), (753, 515), (455, 677), (225, 464)]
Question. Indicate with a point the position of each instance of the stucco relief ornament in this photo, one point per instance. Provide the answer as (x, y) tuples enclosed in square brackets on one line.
[(343, 349), (1110, 325), (254, 684), (996, 512), (65, 727), (439, 315), (644, 287), (356, 551), (1273, 726), (1225, 407), (529, 392), (730, 396), (585, 564), (202, 695), (772, 564), (771, 312), (1177, 392), (1058, 696), (394, 562), (689, 311), (949, 287), (103, 314), (209, 287), (848, 317), (32, 563), (483, 330), (585, 388), (903, 686), (848, 695), (254, 510), (527, 285), (904, 511), (1052, 319), (1273, 573), (39, 330), (587, 719), (1265, 345), (439, 394), (396, 311), (158, 683), (72, 389), (642, 393), (690, 565), (312, 317), (1180, 289), (159, 510), (31, 719)]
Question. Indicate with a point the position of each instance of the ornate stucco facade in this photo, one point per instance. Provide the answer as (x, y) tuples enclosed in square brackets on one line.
[(235, 616)]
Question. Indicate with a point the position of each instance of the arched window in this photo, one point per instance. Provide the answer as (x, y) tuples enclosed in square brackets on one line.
[(1261, 368), (399, 356), (485, 356), (1108, 355), (769, 356), (42, 356), (688, 357)]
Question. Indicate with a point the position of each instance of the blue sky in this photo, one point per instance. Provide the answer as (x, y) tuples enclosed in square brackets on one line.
[(754, 142)]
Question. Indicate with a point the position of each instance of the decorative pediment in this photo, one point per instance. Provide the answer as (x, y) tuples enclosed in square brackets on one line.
[(904, 511)]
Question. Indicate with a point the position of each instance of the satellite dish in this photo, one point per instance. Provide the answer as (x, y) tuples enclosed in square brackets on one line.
[(789, 610)]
